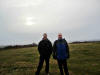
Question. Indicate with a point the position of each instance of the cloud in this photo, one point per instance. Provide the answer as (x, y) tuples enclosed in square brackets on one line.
[(52, 16), (21, 3)]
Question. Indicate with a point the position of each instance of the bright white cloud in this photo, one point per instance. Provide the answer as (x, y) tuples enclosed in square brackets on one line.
[(49, 15), (21, 3)]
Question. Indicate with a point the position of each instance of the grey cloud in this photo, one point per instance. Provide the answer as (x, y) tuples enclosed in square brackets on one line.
[(76, 19)]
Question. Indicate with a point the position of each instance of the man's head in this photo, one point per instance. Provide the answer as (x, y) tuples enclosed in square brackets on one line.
[(60, 36), (44, 36)]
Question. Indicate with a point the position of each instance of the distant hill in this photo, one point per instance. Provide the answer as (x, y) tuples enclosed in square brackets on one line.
[(18, 46), (34, 45), (2, 46), (85, 42)]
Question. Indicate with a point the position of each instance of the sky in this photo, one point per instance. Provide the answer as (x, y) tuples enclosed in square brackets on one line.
[(24, 21)]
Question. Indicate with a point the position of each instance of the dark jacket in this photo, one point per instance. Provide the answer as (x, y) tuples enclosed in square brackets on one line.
[(55, 47), (45, 48)]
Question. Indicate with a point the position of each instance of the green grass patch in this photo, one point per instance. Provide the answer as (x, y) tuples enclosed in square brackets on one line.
[(84, 60)]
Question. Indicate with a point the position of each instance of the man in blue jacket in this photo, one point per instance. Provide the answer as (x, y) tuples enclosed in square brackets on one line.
[(61, 53)]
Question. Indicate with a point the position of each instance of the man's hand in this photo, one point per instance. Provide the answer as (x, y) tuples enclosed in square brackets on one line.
[(54, 57)]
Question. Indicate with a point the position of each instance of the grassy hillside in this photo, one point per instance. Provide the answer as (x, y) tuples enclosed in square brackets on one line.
[(84, 60)]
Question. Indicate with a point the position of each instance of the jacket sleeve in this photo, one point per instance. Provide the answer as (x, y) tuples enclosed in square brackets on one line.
[(51, 48), (67, 49), (39, 47), (54, 51)]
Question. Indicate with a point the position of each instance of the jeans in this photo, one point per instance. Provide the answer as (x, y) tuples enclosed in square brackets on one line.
[(41, 61), (63, 64)]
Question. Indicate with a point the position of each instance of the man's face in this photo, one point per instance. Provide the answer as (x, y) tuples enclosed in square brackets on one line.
[(44, 36), (60, 36)]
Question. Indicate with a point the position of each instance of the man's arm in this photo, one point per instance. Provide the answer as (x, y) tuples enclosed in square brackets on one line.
[(51, 48), (67, 49), (39, 47), (54, 50)]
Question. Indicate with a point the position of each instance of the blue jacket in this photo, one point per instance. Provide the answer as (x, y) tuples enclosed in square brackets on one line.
[(60, 49)]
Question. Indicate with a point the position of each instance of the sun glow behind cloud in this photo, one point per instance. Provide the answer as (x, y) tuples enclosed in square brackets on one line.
[(30, 21), (78, 17), (47, 16), (50, 15)]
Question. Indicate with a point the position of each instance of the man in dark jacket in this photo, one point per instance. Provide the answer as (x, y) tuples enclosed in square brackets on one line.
[(61, 53), (45, 51)]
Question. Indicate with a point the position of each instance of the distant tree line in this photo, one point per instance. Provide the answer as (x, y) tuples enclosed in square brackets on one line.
[(76, 42), (35, 45), (19, 46)]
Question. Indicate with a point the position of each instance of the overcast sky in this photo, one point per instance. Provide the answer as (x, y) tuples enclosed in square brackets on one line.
[(24, 21)]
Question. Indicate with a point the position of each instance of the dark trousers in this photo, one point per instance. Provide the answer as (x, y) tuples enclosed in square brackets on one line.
[(63, 64), (41, 61)]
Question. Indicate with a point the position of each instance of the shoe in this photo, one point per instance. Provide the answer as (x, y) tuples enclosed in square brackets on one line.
[(36, 73), (47, 74)]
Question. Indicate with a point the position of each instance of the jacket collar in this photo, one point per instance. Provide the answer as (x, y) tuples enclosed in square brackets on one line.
[(44, 39)]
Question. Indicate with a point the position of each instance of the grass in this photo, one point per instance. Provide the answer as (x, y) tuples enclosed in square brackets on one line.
[(84, 60)]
